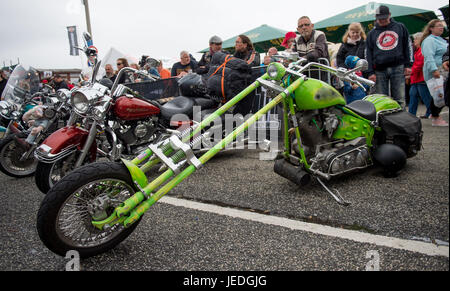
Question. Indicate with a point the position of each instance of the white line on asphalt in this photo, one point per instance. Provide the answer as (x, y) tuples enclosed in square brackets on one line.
[(391, 242)]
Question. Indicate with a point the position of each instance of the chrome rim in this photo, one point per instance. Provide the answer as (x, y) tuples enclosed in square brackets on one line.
[(10, 156), (94, 201), (61, 168)]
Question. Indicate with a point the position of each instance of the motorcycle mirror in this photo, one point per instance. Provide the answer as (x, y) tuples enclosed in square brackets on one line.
[(362, 64)]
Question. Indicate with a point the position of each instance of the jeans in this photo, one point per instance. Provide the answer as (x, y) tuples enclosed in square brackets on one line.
[(393, 78), (419, 90), (39, 122)]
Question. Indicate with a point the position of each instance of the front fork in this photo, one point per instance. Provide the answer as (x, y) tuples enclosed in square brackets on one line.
[(134, 207)]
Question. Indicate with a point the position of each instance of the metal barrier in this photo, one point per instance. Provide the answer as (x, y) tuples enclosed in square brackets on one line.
[(322, 73), (274, 118)]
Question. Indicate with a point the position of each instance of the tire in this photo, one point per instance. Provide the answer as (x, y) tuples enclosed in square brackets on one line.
[(45, 175), (53, 228), (10, 153)]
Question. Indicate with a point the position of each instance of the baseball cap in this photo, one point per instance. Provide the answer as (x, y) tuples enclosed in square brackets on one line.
[(287, 37), (382, 12), (215, 39)]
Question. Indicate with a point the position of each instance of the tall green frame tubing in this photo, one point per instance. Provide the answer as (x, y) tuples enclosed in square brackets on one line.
[(220, 111), (144, 206), (134, 205), (138, 197)]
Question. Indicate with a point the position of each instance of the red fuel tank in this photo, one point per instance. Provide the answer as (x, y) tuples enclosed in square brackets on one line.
[(127, 108)]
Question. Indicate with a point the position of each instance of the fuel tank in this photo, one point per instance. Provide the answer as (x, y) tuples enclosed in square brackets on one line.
[(129, 108), (382, 102), (315, 94)]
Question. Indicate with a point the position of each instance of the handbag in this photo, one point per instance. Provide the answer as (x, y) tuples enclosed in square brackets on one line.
[(436, 88)]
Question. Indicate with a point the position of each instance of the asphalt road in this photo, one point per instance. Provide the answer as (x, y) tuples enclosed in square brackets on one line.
[(412, 206)]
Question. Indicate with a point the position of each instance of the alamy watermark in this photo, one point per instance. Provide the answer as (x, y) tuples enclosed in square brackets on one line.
[(74, 261)]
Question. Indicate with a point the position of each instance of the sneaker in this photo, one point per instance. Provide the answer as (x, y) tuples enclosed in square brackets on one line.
[(424, 117), (438, 122)]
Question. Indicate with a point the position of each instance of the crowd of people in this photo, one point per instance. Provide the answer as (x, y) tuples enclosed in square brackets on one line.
[(395, 59)]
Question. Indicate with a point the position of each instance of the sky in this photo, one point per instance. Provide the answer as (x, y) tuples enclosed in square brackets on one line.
[(34, 31)]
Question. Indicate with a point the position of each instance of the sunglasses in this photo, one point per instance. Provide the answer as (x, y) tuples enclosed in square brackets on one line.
[(306, 24), (217, 43), (119, 64)]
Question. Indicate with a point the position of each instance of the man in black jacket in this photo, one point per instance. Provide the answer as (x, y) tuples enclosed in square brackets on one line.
[(3, 80), (390, 55), (59, 83), (215, 45)]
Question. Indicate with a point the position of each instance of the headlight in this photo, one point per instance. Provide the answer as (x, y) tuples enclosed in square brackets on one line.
[(4, 108), (276, 71), (80, 102)]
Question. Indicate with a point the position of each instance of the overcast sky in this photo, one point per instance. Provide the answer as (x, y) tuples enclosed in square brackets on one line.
[(35, 30)]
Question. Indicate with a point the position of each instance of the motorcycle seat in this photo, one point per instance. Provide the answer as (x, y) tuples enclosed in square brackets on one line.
[(363, 108), (179, 105)]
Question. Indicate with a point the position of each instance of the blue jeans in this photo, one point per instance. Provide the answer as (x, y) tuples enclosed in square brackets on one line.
[(393, 78), (419, 90)]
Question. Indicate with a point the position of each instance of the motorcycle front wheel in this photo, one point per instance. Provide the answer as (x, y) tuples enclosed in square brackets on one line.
[(12, 162), (89, 193), (48, 174)]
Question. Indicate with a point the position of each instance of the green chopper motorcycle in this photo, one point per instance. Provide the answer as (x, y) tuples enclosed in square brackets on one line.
[(97, 206)]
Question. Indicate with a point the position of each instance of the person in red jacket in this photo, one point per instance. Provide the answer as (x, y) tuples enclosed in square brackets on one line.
[(418, 85)]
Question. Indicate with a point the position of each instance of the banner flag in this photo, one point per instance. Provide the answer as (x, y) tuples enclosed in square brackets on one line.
[(73, 40)]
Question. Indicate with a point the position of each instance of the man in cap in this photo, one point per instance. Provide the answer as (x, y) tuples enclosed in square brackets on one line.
[(389, 53), (215, 45)]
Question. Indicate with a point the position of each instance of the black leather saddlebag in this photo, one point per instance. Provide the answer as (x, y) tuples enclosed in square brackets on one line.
[(402, 129)]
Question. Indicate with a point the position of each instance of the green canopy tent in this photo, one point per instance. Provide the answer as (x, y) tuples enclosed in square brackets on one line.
[(262, 37), (444, 10), (334, 27)]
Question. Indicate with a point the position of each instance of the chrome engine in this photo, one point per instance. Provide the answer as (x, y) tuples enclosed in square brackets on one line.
[(329, 157), (341, 157), (135, 133)]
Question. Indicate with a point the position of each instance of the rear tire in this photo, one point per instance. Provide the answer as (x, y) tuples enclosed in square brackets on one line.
[(75, 194)]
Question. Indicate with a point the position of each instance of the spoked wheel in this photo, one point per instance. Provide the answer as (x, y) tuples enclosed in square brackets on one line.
[(90, 193), (48, 174), (12, 161)]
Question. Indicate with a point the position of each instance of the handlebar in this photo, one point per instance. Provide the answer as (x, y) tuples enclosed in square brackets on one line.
[(296, 68), (341, 73)]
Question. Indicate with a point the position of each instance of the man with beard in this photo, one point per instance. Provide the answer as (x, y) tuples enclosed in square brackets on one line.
[(311, 44)]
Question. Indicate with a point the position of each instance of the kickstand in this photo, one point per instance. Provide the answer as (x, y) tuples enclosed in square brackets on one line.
[(337, 196)]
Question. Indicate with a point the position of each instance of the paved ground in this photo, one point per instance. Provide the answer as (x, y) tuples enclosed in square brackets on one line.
[(413, 207)]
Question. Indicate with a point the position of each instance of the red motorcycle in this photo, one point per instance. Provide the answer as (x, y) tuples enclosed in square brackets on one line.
[(112, 125), (112, 121)]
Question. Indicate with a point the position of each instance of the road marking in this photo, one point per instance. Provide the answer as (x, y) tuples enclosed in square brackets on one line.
[(391, 242)]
